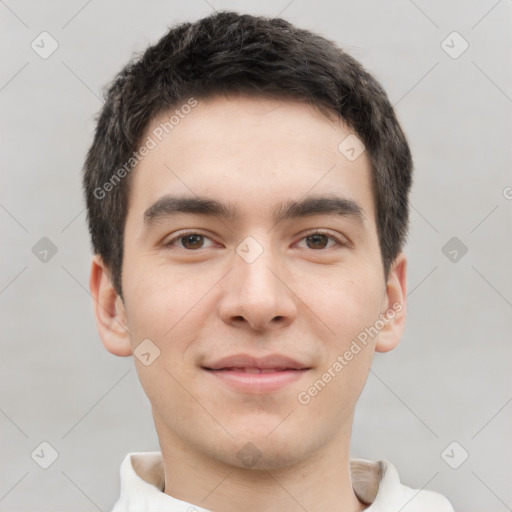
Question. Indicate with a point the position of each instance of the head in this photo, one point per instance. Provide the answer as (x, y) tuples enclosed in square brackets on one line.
[(247, 193)]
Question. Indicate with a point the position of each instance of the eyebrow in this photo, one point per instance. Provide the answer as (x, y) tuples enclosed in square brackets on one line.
[(169, 205)]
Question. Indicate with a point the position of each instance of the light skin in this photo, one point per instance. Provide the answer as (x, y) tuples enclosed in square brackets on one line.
[(305, 297)]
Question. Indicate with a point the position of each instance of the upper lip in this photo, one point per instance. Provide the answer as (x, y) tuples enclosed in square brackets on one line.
[(247, 361)]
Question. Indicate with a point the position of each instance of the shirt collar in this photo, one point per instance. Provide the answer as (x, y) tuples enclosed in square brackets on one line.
[(375, 483)]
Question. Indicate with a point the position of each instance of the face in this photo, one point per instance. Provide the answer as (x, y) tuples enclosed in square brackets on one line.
[(283, 260)]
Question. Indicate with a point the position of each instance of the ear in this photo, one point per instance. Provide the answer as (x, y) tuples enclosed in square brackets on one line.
[(109, 310), (394, 307)]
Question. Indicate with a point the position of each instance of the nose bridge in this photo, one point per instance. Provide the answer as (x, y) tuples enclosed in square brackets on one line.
[(255, 258), (253, 291)]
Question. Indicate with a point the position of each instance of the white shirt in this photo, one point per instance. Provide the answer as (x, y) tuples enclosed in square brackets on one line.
[(375, 483)]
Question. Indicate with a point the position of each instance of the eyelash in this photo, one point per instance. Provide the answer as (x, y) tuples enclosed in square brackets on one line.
[(339, 242)]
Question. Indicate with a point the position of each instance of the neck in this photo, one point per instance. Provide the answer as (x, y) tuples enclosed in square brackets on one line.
[(317, 483)]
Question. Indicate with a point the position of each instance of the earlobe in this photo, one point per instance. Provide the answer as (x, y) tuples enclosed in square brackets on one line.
[(394, 313), (109, 310)]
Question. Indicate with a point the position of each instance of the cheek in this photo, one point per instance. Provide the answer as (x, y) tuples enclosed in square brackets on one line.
[(345, 302), (159, 301), (161, 307), (171, 309), (347, 308)]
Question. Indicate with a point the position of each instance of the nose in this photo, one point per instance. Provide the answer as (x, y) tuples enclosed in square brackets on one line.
[(257, 294)]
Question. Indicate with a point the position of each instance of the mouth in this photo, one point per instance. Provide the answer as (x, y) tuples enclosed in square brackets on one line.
[(255, 374), (256, 380), (254, 369)]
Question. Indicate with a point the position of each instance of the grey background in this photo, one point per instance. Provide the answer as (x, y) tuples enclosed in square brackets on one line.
[(449, 379)]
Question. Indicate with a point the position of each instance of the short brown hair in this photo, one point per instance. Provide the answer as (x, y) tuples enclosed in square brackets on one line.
[(230, 53)]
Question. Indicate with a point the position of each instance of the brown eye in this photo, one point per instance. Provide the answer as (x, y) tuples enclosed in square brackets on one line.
[(317, 241), (193, 241)]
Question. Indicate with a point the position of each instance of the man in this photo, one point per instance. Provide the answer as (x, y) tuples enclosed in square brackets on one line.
[(247, 201)]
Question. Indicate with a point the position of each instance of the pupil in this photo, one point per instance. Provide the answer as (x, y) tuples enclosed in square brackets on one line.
[(193, 240), (318, 240)]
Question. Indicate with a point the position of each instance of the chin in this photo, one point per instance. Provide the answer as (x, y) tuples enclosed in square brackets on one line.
[(268, 457), (264, 451)]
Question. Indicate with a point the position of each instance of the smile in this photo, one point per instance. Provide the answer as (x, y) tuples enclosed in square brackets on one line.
[(256, 380)]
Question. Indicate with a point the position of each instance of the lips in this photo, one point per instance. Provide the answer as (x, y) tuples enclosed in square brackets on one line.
[(256, 375), (255, 370), (251, 364)]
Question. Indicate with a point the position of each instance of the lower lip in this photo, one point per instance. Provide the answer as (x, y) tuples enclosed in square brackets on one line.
[(258, 382)]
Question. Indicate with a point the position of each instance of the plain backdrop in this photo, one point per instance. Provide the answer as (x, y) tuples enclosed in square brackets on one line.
[(439, 406)]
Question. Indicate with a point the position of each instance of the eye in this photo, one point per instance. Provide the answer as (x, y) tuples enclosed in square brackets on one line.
[(189, 241), (194, 241), (320, 240)]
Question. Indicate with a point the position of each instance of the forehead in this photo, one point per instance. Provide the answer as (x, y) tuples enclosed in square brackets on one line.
[(251, 151)]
